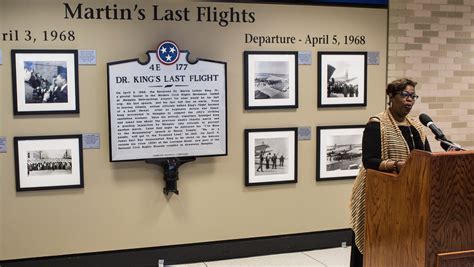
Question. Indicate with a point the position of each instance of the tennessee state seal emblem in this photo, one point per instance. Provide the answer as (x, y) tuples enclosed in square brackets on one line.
[(167, 52)]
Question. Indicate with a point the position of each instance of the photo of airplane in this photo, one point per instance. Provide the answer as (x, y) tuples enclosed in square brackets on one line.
[(271, 86), (271, 79), (341, 86), (344, 78), (343, 157)]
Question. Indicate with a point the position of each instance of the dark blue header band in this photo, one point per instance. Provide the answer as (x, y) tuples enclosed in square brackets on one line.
[(354, 3)]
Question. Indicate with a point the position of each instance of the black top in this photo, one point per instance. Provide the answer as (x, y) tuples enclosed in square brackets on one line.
[(372, 148)]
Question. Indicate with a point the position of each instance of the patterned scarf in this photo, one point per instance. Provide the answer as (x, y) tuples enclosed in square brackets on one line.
[(393, 147)]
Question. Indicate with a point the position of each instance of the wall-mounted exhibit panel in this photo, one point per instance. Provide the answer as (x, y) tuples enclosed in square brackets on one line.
[(159, 110), (122, 204)]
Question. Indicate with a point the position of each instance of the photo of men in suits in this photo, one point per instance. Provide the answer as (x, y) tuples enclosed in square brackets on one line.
[(58, 92), (45, 82)]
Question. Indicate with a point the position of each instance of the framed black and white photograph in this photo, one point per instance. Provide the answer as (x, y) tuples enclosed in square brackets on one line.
[(339, 152), (271, 156), (342, 79), (271, 79), (45, 81), (48, 162)]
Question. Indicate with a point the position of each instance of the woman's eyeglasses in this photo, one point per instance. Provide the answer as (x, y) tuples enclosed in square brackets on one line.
[(406, 94)]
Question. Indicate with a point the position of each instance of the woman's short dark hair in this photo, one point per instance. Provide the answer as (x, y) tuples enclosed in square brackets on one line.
[(398, 86)]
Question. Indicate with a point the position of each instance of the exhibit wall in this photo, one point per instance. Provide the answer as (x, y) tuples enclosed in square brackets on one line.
[(432, 43), (122, 204)]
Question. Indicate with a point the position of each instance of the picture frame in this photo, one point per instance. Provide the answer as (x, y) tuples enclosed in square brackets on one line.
[(271, 156), (48, 162), (45, 81), (271, 79), (339, 152), (342, 79)]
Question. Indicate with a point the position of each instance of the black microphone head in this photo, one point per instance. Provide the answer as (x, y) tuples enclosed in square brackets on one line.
[(425, 119)]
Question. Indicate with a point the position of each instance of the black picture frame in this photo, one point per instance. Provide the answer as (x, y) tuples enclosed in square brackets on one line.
[(338, 152), (270, 79), (45, 81), (261, 145), (342, 79), (48, 162)]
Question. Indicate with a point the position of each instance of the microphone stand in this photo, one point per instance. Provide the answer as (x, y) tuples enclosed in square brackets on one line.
[(451, 145)]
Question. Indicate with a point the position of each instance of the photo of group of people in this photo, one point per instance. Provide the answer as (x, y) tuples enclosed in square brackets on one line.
[(341, 86), (49, 162), (270, 156), (45, 82), (342, 79)]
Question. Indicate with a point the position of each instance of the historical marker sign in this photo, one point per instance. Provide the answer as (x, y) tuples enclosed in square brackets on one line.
[(161, 110)]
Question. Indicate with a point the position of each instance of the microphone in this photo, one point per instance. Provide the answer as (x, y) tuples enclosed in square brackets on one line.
[(445, 143), (428, 122)]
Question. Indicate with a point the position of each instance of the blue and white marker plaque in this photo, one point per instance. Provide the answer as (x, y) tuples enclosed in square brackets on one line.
[(167, 107)]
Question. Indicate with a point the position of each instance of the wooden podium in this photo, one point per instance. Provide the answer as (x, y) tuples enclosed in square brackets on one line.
[(423, 216)]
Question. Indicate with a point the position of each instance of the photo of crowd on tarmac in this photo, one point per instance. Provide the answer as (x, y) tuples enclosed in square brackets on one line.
[(341, 86)]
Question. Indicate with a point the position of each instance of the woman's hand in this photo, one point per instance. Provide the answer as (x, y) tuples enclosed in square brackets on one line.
[(399, 165), (391, 165)]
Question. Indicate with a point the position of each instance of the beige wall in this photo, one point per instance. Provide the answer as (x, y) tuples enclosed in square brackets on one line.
[(122, 205), (432, 42), (2, 133)]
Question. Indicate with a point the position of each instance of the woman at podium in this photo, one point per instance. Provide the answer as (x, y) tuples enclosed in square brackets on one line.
[(387, 141)]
